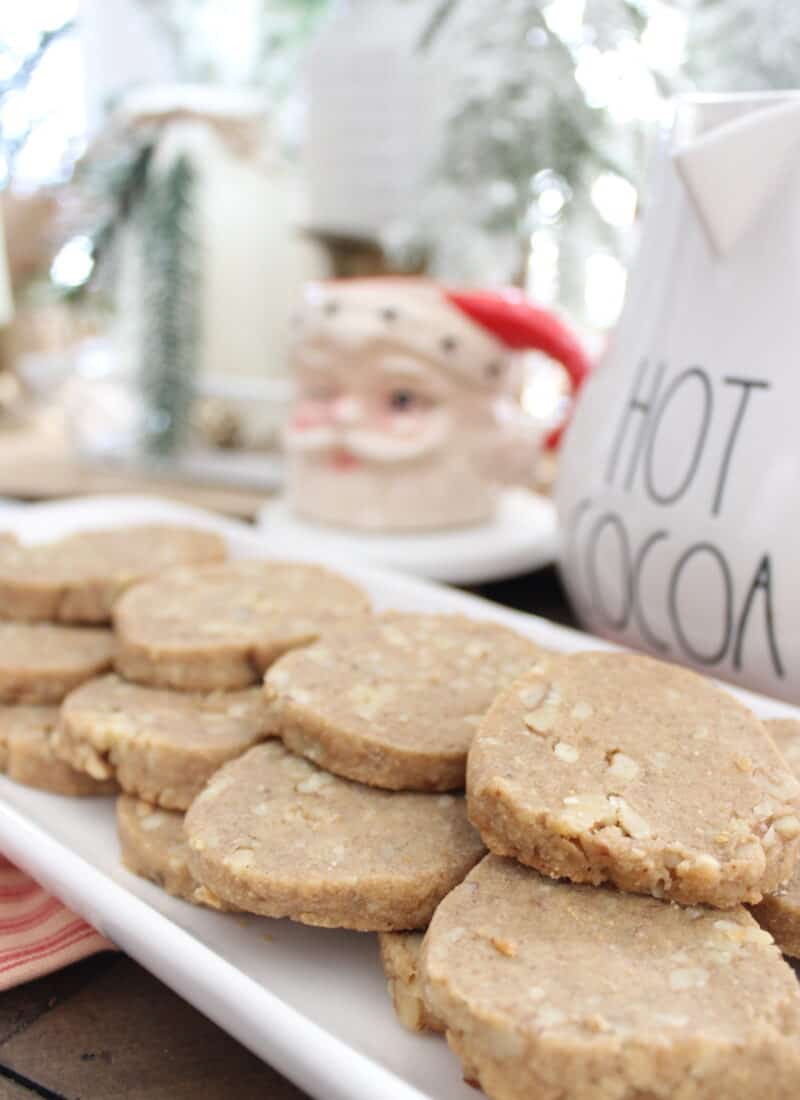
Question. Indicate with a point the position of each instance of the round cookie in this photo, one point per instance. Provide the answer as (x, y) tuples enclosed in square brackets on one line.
[(273, 834), (154, 847), (79, 578), (220, 626), (162, 746), (42, 662), (779, 913), (395, 700), (26, 754), (552, 990), (616, 767), (400, 959)]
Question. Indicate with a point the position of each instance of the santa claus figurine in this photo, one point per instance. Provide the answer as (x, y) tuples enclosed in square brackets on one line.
[(407, 414)]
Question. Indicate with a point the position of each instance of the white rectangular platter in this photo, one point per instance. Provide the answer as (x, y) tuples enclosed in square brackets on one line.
[(311, 1002)]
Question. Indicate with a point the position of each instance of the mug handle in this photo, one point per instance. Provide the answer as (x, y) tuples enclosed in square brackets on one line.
[(522, 326)]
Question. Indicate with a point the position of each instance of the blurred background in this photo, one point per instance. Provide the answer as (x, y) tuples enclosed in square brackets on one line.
[(172, 171)]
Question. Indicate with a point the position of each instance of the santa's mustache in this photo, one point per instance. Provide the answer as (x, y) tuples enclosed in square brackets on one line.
[(372, 446)]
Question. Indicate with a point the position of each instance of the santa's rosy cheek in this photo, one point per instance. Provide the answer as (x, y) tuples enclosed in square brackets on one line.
[(406, 424), (311, 414)]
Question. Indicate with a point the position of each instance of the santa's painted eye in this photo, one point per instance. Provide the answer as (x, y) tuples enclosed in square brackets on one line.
[(401, 400)]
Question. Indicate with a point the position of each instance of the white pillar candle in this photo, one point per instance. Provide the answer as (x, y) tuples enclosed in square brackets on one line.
[(256, 259), (122, 47), (253, 256)]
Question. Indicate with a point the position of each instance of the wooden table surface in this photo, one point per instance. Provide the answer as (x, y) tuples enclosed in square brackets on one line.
[(105, 1028), (38, 463)]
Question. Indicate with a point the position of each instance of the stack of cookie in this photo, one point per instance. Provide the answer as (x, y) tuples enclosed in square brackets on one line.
[(192, 647), (347, 822), (55, 604), (39, 664), (662, 805)]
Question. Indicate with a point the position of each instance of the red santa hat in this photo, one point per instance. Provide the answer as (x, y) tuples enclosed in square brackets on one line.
[(522, 326)]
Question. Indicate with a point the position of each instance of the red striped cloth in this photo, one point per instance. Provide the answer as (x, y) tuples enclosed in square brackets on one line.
[(38, 934)]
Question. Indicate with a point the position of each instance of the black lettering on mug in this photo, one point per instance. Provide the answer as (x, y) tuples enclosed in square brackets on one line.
[(641, 405), (599, 548), (662, 495), (762, 584), (660, 645), (748, 385), (610, 521), (714, 656)]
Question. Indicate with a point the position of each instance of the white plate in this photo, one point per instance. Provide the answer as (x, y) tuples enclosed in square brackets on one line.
[(311, 1002), (522, 536)]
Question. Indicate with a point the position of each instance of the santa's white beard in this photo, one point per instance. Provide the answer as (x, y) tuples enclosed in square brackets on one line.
[(369, 445), (443, 489)]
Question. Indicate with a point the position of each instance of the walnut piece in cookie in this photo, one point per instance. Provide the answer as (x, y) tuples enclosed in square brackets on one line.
[(77, 579), (41, 662), (607, 994), (613, 767), (218, 627), (273, 834), (162, 746), (394, 700)]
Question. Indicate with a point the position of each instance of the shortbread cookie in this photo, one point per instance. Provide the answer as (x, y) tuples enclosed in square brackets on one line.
[(26, 754), (779, 913), (153, 846), (42, 662), (396, 701), (615, 767), (274, 834), (160, 745), (78, 579), (220, 626), (400, 958), (556, 991)]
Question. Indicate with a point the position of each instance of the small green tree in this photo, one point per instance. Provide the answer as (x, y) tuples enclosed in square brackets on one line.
[(170, 338)]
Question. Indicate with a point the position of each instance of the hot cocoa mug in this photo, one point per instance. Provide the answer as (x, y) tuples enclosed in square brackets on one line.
[(679, 475)]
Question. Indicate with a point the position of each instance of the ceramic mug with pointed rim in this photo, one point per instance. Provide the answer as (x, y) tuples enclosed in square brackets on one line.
[(678, 487)]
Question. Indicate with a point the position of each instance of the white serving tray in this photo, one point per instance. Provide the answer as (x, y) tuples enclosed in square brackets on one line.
[(520, 537), (311, 1002)]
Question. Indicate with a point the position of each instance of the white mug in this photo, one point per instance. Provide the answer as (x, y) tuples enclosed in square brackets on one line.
[(679, 487)]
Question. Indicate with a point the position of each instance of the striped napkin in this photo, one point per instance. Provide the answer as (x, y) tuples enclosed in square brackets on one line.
[(37, 933)]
